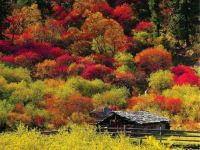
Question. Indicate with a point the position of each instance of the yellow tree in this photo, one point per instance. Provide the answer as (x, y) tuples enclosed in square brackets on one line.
[(109, 34)]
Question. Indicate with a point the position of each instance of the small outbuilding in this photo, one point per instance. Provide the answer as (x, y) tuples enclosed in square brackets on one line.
[(140, 119)]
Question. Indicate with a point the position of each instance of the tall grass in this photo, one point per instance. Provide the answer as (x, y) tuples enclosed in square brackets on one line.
[(80, 138)]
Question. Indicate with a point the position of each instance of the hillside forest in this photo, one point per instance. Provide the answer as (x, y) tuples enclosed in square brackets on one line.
[(61, 59)]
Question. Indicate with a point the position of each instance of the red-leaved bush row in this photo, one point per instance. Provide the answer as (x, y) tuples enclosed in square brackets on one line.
[(173, 105), (43, 50), (143, 26), (185, 75), (121, 13), (97, 71)]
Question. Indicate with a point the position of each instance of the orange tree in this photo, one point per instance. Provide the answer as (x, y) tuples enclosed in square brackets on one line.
[(153, 59)]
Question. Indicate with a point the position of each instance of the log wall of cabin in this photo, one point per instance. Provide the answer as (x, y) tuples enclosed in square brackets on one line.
[(116, 121)]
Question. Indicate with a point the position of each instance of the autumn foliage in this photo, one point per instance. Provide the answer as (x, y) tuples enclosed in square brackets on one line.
[(61, 59), (79, 104), (185, 75), (123, 13), (144, 26), (134, 101), (96, 71), (171, 104), (153, 59)]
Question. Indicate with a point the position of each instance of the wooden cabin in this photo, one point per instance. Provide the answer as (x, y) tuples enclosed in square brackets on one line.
[(140, 119)]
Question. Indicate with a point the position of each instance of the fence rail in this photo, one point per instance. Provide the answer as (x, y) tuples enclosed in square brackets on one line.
[(142, 133), (145, 131), (177, 136)]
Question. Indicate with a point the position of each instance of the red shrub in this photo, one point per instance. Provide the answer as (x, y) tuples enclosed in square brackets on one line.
[(181, 69), (27, 58), (104, 60), (96, 71), (187, 78), (62, 15), (42, 49), (39, 121), (129, 46), (73, 16), (106, 9), (65, 59), (59, 12), (173, 105), (143, 26), (6, 46), (185, 75), (58, 9), (123, 13), (8, 59), (56, 52), (160, 100), (25, 37)]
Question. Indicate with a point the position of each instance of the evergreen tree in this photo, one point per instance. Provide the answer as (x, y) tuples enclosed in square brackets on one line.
[(155, 15), (184, 19), (5, 6)]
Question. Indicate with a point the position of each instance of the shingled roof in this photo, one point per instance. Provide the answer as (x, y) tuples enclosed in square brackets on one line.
[(140, 117)]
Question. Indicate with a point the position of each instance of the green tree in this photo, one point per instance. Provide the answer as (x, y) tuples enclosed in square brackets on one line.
[(184, 19), (5, 6), (155, 15), (111, 98), (24, 2), (160, 80)]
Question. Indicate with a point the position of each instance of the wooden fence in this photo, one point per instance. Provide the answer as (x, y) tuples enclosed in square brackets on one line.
[(140, 132), (189, 137)]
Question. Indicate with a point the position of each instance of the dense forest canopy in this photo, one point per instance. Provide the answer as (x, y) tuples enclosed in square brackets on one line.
[(60, 59)]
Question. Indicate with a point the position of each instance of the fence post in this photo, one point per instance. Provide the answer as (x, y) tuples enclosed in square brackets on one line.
[(99, 128), (140, 142), (160, 134)]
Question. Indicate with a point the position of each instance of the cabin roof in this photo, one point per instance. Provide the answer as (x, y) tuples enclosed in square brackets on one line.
[(140, 117)]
